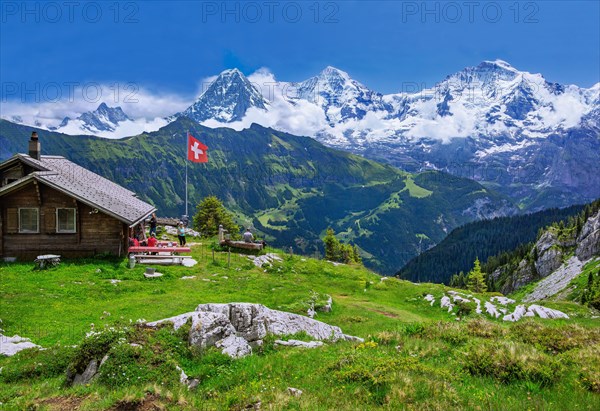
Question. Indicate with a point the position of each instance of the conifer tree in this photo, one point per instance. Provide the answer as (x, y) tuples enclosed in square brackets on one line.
[(475, 280), (332, 245), (210, 214)]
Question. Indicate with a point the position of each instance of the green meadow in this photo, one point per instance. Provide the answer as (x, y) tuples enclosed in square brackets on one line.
[(415, 356)]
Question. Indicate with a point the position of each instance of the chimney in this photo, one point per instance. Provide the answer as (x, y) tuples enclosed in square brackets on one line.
[(34, 146)]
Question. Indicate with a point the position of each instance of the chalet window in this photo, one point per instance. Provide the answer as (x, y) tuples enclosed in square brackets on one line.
[(29, 220), (66, 220)]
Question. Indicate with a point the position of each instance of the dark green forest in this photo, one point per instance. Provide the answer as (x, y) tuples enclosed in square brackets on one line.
[(480, 239)]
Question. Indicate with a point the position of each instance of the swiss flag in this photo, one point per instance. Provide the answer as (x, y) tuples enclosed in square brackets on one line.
[(196, 151)]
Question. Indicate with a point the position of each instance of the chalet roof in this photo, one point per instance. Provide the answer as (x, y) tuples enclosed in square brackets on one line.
[(84, 185)]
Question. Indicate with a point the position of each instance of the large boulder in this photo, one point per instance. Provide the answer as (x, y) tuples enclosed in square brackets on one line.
[(255, 321), (237, 327)]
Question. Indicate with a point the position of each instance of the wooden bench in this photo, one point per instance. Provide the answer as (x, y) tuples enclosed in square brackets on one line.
[(47, 259), (164, 259), (241, 244)]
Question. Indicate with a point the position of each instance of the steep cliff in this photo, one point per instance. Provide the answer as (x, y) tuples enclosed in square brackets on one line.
[(561, 251)]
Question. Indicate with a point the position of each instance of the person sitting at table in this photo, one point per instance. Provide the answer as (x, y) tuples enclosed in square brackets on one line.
[(152, 241), (133, 242)]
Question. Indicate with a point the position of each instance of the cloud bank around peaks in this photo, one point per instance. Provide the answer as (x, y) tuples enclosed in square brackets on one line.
[(299, 117), (147, 108)]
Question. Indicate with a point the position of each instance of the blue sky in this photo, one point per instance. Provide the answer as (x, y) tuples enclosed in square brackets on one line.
[(171, 46)]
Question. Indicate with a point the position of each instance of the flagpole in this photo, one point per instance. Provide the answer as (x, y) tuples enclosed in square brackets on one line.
[(186, 173)]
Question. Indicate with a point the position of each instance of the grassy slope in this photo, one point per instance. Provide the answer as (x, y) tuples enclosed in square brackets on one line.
[(406, 364)]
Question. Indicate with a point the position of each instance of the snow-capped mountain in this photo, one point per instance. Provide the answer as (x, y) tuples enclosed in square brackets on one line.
[(340, 97), (490, 122), (536, 140), (103, 119), (226, 99)]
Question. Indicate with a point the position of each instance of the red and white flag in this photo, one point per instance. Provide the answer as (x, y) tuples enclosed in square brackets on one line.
[(196, 152)]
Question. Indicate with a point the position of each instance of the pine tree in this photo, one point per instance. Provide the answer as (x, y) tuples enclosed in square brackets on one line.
[(210, 214), (475, 280), (332, 245)]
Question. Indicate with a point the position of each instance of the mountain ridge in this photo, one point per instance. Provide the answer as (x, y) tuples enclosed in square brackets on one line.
[(290, 188)]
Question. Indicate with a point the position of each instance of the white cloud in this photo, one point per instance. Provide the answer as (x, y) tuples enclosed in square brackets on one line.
[(300, 117), (146, 107)]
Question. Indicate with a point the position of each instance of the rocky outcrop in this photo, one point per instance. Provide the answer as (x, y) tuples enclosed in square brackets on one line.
[(556, 281), (523, 275), (237, 327), (9, 346), (532, 311), (491, 310), (588, 241), (549, 252), (87, 375)]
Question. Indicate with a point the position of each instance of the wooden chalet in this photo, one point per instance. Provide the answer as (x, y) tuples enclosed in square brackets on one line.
[(50, 205)]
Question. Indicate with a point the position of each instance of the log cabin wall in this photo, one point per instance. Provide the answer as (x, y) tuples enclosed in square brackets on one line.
[(96, 232)]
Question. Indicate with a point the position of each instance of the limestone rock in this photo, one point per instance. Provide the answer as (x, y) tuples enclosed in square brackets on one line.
[(177, 321), (588, 242), (298, 343), (237, 327), (9, 346), (545, 312), (208, 328), (234, 346), (549, 254), (90, 372), (446, 303), (557, 281), (524, 274), (294, 392), (254, 321), (516, 315), (491, 309)]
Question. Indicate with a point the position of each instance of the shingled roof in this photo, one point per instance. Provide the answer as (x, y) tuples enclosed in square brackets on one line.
[(84, 185)]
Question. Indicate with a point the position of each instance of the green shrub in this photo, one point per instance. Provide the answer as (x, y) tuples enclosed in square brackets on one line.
[(94, 346), (413, 328), (34, 363), (587, 360), (450, 332), (372, 372), (480, 327), (509, 362), (554, 339), (464, 308), (132, 365)]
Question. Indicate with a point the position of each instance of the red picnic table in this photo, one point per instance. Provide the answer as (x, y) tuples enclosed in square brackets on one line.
[(167, 250), (159, 254)]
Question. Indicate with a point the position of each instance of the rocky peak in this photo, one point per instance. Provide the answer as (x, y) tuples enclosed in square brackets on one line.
[(226, 99)]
